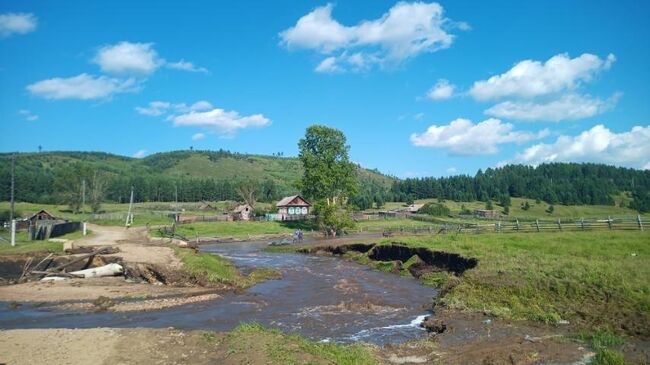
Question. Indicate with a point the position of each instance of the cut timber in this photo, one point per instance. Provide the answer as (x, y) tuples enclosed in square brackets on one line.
[(97, 272)]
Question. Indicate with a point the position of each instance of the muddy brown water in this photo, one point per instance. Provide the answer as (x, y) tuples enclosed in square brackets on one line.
[(323, 298)]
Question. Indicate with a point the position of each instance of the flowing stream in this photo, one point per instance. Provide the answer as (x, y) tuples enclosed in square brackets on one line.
[(323, 298)]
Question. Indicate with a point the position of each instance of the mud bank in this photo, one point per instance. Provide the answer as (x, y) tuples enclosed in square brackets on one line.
[(417, 260)]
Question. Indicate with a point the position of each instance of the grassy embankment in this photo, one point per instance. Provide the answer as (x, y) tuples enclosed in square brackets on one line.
[(24, 245), (216, 269), (536, 210), (598, 281), (252, 343)]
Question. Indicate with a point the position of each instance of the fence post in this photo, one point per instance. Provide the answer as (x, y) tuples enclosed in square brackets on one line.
[(517, 224), (559, 224), (638, 220), (609, 222), (85, 231), (537, 224), (582, 223), (13, 232)]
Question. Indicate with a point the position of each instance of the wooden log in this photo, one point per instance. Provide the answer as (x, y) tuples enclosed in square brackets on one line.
[(80, 258), (98, 272)]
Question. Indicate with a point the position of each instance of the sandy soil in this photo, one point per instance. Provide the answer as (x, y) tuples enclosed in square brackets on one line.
[(134, 247), (133, 244), (87, 289)]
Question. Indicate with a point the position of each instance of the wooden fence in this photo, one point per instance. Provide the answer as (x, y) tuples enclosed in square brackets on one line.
[(514, 226)]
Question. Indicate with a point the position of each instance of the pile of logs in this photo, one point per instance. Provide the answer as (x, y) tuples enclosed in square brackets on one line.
[(59, 272)]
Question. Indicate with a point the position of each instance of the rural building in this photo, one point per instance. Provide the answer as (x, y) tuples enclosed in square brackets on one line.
[(486, 213), (41, 216), (242, 212), (293, 207)]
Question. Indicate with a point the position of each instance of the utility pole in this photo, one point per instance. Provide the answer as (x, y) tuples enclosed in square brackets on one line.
[(12, 219), (129, 215), (83, 197)]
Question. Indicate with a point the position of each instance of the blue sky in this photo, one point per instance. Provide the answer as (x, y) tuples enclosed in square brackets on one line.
[(418, 88)]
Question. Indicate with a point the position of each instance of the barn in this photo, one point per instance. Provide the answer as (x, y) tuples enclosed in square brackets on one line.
[(242, 212), (293, 207)]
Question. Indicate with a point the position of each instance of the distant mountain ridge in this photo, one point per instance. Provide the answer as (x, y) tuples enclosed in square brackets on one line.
[(199, 174)]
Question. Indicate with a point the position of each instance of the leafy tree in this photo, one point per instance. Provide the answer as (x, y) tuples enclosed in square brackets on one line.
[(488, 205), (332, 219), (506, 210), (435, 209), (550, 209), (328, 172), (379, 200), (525, 206), (97, 190)]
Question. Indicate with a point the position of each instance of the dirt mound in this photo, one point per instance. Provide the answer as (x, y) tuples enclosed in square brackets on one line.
[(429, 260)]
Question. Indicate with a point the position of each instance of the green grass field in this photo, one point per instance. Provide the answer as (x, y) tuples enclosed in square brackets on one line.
[(595, 280), (271, 346)]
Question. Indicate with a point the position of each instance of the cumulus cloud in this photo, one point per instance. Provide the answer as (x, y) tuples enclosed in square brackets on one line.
[(137, 58), (598, 144), (28, 115), (127, 57), (140, 154), (17, 23), (198, 136), (529, 79), (157, 108), (462, 137), (83, 87), (441, 90), (566, 107), (223, 122), (186, 66), (405, 31), (154, 109)]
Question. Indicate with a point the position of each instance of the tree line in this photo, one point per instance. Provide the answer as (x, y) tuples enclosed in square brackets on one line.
[(554, 183)]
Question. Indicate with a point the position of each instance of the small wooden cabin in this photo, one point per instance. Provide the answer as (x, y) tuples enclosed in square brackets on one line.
[(242, 212)]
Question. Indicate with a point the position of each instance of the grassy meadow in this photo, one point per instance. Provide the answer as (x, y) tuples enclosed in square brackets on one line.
[(595, 280), (250, 342)]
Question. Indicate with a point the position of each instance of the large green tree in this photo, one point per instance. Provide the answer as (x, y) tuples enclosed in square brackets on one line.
[(328, 173), (329, 177)]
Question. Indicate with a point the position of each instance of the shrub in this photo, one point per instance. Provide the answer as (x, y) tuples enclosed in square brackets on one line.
[(435, 209)]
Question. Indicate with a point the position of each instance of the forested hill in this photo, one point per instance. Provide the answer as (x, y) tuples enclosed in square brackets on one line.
[(48, 177), (564, 183)]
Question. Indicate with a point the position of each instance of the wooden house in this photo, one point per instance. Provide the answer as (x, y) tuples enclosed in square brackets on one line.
[(293, 207)]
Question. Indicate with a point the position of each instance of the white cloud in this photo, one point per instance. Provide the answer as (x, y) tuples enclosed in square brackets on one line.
[(528, 78), (127, 57), (441, 90), (140, 154), (462, 137), (201, 105), (226, 123), (406, 30), (198, 136), (598, 144), (566, 107), (29, 116), (17, 23), (155, 108), (418, 116), (646, 166), (158, 108), (452, 171), (186, 66), (328, 65), (83, 86)]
